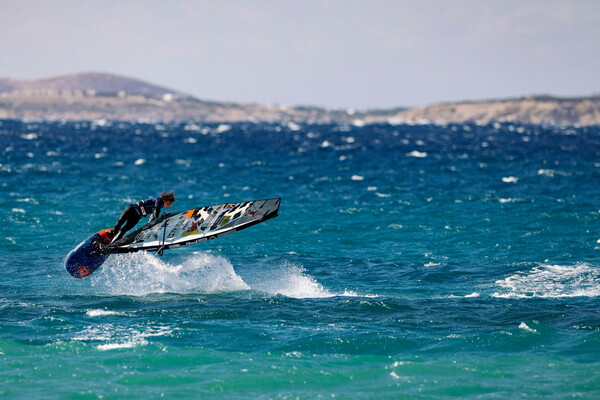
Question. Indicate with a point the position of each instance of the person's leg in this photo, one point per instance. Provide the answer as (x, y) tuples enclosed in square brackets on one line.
[(131, 222), (130, 217), (124, 217)]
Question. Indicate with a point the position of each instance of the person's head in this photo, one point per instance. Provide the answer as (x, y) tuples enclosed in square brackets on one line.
[(168, 198)]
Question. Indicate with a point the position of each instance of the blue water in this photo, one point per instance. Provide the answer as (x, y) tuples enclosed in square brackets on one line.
[(406, 262)]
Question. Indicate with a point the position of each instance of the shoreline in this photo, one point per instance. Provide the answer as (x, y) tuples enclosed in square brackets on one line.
[(78, 106)]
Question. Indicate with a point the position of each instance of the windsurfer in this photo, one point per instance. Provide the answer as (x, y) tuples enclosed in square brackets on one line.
[(135, 211)]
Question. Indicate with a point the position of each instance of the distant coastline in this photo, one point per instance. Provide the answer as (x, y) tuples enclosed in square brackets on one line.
[(91, 96)]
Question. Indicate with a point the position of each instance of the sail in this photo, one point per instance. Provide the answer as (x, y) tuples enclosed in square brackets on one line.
[(196, 225)]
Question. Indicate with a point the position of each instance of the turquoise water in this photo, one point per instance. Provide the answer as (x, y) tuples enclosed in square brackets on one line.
[(406, 262)]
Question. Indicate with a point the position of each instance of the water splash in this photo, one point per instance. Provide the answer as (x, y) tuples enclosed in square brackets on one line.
[(142, 273), (293, 281)]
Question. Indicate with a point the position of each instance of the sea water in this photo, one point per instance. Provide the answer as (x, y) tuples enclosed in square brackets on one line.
[(407, 261)]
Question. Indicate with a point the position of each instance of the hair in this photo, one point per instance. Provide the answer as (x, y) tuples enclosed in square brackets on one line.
[(170, 197)]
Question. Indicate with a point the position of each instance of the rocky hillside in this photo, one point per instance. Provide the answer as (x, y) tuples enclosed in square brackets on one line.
[(95, 96), (544, 110)]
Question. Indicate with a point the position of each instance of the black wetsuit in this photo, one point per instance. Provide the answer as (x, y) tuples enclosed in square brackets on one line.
[(134, 212)]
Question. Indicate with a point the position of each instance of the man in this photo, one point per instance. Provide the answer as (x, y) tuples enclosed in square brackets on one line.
[(135, 211)]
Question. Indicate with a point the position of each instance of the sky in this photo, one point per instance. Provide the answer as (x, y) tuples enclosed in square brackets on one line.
[(340, 54)]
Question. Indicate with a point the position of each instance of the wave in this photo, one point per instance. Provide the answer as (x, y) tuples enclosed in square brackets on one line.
[(551, 281)]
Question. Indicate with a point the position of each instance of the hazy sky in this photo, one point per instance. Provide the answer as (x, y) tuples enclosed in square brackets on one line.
[(362, 54)]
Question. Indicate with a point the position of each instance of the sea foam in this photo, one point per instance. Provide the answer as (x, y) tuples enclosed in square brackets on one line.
[(551, 281)]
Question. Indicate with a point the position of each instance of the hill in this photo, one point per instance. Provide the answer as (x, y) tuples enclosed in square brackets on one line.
[(96, 95), (100, 83)]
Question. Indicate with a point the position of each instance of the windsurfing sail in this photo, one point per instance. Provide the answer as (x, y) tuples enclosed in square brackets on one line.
[(196, 225)]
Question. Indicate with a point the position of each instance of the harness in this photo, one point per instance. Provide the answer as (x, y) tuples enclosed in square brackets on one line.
[(142, 208), (153, 203)]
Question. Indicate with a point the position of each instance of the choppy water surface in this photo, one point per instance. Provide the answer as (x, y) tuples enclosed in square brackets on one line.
[(407, 262)]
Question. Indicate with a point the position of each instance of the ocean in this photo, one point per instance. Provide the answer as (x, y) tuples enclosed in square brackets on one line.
[(407, 261)]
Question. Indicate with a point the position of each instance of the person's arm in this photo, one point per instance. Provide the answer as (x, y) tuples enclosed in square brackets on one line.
[(157, 208)]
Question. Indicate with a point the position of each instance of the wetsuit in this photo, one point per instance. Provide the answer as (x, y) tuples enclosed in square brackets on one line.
[(134, 212)]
